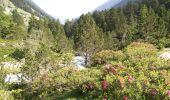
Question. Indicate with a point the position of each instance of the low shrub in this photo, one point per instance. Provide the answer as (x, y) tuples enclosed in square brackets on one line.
[(64, 83), (106, 56), (129, 84), (142, 75), (6, 95), (140, 54), (137, 75), (139, 51)]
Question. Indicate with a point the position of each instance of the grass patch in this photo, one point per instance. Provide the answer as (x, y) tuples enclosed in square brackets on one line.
[(6, 48), (163, 51)]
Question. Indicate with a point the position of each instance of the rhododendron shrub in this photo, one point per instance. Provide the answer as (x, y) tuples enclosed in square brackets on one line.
[(142, 75), (141, 54), (107, 56)]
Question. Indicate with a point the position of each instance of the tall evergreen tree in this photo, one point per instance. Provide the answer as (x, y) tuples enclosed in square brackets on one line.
[(142, 23), (68, 28), (90, 38), (110, 41), (99, 18), (112, 19), (62, 43), (21, 30)]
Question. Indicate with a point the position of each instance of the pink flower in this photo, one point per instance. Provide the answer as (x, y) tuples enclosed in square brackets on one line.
[(168, 84), (110, 69), (131, 79), (113, 70), (119, 66), (91, 86), (104, 98), (153, 92), (162, 73), (104, 84), (125, 98), (107, 67), (168, 92)]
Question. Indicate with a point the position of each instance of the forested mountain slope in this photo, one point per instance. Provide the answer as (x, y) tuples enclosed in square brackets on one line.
[(124, 3), (9, 7), (23, 19), (30, 6), (107, 5), (113, 4), (141, 20)]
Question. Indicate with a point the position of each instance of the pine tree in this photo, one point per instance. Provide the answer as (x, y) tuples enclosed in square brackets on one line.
[(62, 43), (122, 28), (110, 41), (68, 28), (112, 19), (142, 23), (76, 36), (21, 30), (154, 4), (90, 40), (99, 18)]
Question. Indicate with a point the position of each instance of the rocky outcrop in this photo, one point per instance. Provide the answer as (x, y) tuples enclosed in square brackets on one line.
[(165, 56)]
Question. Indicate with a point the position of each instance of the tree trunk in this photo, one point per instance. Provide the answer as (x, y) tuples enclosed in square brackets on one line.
[(86, 59)]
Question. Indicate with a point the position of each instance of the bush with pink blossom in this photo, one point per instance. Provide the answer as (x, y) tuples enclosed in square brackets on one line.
[(142, 75)]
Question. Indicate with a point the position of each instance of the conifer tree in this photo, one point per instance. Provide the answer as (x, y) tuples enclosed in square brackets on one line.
[(62, 43), (142, 23), (68, 28), (21, 30), (90, 38)]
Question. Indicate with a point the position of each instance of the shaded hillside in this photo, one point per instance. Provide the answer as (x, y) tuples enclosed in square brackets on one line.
[(107, 5), (31, 7), (113, 4), (123, 3)]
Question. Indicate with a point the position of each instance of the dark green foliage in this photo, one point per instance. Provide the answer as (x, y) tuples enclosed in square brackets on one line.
[(115, 28), (62, 43), (7, 27), (110, 41), (38, 30), (145, 20), (89, 36), (18, 54), (68, 28), (118, 27)]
